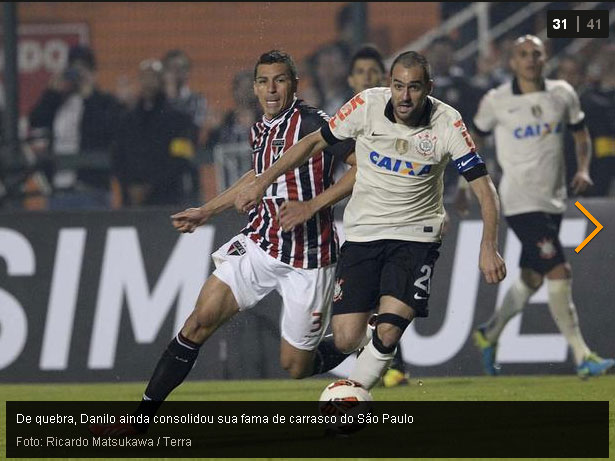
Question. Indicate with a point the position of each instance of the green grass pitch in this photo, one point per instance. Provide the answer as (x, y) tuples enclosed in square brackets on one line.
[(527, 388)]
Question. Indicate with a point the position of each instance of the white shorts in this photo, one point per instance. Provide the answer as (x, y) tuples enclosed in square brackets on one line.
[(306, 293)]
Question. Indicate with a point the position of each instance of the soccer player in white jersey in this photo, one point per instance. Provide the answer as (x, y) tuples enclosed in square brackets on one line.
[(366, 71), (393, 221), (528, 117)]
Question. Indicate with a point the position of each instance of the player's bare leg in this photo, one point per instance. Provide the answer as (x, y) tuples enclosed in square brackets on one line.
[(298, 362), (394, 316), (516, 298), (564, 313), (215, 305), (349, 331)]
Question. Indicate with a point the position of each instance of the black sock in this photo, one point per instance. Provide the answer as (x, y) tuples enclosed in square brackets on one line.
[(173, 367), (327, 356), (398, 361)]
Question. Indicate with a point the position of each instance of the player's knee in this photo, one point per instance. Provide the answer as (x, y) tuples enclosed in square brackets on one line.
[(561, 271), (347, 342), (532, 279), (206, 317), (296, 369), (389, 335), (389, 329)]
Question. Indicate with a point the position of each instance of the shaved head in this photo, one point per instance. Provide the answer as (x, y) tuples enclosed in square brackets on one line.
[(529, 38)]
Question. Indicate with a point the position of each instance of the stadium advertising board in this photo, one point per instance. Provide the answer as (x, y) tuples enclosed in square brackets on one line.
[(96, 296)]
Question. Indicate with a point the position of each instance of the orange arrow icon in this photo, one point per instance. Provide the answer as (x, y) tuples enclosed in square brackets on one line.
[(598, 228)]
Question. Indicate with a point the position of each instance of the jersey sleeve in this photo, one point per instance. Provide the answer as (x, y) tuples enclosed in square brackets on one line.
[(348, 122), (485, 118), (574, 113), (462, 150), (314, 119)]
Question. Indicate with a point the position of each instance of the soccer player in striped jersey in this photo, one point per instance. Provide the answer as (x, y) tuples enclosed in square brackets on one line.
[(528, 116), (299, 265), (393, 222)]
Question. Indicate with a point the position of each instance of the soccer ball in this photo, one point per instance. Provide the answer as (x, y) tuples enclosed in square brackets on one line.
[(345, 390), (345, 400)]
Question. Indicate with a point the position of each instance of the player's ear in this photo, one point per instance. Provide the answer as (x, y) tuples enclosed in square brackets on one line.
[(430, 86)]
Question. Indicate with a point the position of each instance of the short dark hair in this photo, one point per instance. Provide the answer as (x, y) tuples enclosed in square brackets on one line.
[(176, 53), (83, 54), (367, 52), (410, 59), (275, 57)]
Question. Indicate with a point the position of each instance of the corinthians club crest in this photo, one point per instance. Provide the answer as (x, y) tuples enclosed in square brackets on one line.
[(426, 144)]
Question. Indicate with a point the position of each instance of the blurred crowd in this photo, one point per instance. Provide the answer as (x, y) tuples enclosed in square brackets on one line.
[(157, 142)]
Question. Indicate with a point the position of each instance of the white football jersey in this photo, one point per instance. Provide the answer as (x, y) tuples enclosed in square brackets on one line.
[(529, 139), (398, 190)]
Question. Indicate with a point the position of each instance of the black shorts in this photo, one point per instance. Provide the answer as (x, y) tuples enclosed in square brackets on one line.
[(539, 235), (368, 270)]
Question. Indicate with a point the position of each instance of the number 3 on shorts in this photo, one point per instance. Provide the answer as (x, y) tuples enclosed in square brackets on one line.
[(316, 321)]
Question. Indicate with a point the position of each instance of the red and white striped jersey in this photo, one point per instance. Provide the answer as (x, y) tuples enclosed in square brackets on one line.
[(315, 243)]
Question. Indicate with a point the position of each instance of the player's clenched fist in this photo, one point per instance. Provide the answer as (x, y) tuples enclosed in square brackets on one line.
[(188, 220), (491, 264), (248, 197), (294, 213)]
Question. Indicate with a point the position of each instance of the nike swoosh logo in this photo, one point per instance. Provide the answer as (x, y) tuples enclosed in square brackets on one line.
[(510, 111), (465, 163), (378, 134), (416, 296)]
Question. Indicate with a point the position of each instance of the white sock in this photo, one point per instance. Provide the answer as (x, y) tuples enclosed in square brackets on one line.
[(514, 301), (370, 366), (565, 315)]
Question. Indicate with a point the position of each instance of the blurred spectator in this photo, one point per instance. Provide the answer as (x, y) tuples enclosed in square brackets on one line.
[(155, 148), (598, 102), (127, 91), (176, 73), (74, 118), (228, 149), (452, 87), (494, 69), (344, 26), (176, 67), (329, 69), (569, 68), (366, 69)]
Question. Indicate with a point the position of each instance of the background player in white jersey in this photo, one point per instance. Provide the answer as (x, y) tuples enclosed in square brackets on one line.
[(366, 71), (528, 117), (393, 221), (299, 265)]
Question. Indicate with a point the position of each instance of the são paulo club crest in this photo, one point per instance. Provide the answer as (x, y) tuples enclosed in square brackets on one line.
[(426, 144), (547, 248)]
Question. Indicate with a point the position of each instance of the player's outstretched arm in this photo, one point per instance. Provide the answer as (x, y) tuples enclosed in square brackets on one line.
[(583, 147), (191, 218), (295, 212), (252, 193), (490, 262)]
